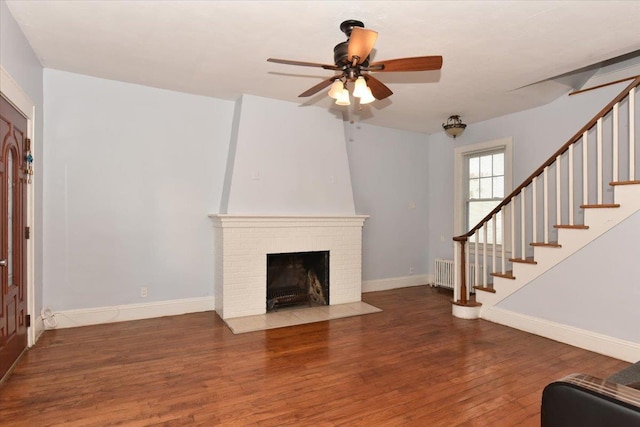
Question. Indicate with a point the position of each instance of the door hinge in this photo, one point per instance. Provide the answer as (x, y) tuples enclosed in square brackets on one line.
[(27, 233), (27, 320)]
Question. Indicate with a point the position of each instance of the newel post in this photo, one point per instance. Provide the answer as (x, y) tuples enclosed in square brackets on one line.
[(463, 272), (462, 306)]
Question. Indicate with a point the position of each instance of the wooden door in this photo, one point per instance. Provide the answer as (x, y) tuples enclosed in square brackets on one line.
[(13, 310)]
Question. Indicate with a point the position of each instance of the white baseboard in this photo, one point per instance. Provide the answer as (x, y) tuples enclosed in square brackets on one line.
[(396, 282), (39, 329), (123, 313), (588, 340)]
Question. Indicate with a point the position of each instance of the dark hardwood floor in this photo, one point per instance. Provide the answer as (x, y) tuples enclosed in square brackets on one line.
[(412, 364)]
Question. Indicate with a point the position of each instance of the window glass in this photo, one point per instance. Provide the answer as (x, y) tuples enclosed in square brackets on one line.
[(474, 167), (486, 165), (498, 164), (498, 187), (486, 191), (474, 189)]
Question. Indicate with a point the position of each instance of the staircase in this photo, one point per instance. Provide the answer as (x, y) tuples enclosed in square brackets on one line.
[(598, 219), (591, 177)]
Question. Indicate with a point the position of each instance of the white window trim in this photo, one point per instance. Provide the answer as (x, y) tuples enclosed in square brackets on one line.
[(460, 153)]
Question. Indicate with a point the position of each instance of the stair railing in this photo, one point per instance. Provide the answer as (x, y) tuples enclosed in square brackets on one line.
[(572, 178)]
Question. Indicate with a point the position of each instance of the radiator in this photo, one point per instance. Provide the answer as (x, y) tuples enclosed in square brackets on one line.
[(444, 274)]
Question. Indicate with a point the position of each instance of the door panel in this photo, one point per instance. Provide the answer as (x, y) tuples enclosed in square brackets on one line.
[(13, 307)]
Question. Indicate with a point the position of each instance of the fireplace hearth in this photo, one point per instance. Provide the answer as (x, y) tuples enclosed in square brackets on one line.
[(300, 278)]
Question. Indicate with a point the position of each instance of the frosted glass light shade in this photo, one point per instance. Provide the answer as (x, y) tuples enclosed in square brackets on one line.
[(360, 87), (368, 97), (336, 89), (344, 98)]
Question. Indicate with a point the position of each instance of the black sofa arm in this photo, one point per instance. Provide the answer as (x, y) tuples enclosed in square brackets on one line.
[(586, 401)]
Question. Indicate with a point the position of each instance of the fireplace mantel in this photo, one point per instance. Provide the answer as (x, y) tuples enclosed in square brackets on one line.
[(228, 220), (242, 243)]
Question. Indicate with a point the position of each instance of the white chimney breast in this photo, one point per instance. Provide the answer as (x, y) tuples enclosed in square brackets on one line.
[(287, 159)]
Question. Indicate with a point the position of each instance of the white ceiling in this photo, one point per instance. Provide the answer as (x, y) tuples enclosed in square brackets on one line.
[(219, 48)]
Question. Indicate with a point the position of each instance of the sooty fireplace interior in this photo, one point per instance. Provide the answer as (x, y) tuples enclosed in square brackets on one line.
[(297, 278)]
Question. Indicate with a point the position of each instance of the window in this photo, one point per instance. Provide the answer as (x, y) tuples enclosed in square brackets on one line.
[(482, 180), (484, 177)]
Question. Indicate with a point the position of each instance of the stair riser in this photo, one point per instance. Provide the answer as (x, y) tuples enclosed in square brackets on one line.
[(626, 195)]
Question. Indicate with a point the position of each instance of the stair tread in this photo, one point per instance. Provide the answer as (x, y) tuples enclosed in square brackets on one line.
[(574, 226), (507, 275), (488, 288), (636, 182), (527, 260), (549, 244), (602, 205), (471, 302)]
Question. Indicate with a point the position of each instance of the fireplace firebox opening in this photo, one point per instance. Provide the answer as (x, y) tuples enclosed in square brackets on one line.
[(298, 278)]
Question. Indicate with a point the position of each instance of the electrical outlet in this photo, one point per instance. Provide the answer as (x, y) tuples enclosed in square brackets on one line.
[(410, 270), (143, 292)]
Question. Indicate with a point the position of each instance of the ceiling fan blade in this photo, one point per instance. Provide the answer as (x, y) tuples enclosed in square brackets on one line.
[(317, 88), (418, 63), (303, 64), (378, 89), (361, 42)]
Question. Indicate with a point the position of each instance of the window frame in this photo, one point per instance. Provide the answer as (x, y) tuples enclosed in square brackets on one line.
[(461, 180)]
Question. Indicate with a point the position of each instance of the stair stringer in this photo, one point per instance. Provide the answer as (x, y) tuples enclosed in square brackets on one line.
[(571, 240)]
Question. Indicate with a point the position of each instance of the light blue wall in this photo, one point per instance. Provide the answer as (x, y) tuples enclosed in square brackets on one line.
[(132, 175), (17, 57), (390, 183), (596, 289), (19, 60)]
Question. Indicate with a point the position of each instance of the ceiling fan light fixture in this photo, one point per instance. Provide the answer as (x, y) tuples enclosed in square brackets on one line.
[(343, 99), (360, 87), (352, 58), (336, 89), (454, 126), (368, 97)]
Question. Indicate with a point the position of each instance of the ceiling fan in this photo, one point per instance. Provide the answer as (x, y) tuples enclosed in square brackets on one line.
[(351, 59)]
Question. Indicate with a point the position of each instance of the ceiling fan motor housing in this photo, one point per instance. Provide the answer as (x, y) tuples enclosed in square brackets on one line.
[(348, 25), (341, 59), (341, 50)]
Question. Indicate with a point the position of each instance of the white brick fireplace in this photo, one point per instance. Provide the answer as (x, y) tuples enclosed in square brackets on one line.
[(242, 243)]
